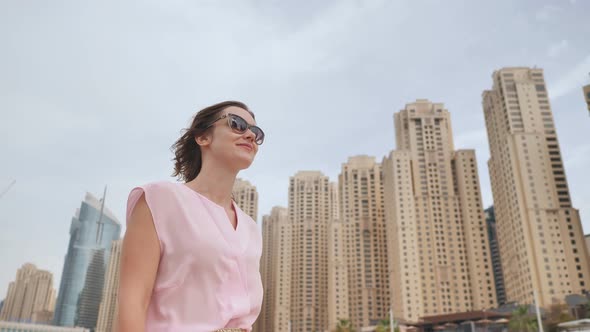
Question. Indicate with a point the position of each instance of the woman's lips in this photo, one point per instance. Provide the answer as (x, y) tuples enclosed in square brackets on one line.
[(247, 146)]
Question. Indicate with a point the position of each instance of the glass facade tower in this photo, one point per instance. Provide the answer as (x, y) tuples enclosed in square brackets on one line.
[(92, 231)]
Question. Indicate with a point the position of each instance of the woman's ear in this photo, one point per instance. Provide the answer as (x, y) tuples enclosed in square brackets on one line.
[(203, 140)]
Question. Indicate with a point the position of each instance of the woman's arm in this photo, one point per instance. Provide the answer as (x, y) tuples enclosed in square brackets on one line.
[(140, 257)]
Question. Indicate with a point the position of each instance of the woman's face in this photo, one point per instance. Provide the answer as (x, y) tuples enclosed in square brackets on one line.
[(227, 146)]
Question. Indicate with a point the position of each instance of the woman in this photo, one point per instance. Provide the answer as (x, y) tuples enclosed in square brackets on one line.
[(190, 259)]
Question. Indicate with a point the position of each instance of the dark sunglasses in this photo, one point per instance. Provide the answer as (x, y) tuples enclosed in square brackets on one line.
[(239, 125)]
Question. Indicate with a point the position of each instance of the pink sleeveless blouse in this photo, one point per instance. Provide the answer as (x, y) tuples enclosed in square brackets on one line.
[(208, 277)]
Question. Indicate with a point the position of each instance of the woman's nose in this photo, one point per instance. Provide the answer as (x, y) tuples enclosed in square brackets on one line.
[(249, 135)]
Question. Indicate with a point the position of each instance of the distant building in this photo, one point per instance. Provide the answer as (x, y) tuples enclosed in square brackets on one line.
[(539, 231), (358, 287), (246, 197), (94, 227), (309, 214), (438, 247), (495, 253), (107, 313), (43, 316), (275, 260), (31, 292), (26, 327)]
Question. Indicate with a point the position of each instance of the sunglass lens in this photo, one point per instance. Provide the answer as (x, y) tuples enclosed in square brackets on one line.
[(259, 134), (238, 124)]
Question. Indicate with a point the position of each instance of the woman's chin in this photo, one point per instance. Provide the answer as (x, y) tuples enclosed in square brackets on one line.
[(243, 162)]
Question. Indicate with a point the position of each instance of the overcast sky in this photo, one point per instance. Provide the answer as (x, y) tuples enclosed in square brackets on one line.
[(93, 93)]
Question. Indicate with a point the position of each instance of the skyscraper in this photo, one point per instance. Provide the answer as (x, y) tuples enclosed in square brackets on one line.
[(91, 294), (338, 305), (273, 264), (246, 197), (107, 313), (30, 294), (439, 258), (309, 215), (363, 243), (495, 255), (539, 232), (94, 227)]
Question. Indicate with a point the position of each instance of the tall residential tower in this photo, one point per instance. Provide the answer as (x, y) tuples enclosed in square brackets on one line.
[(539, 232), (275, 267), (109, 304), (363, 243), (495, 253), (246, 197), (309, 214), (30, 295), (439, 258)]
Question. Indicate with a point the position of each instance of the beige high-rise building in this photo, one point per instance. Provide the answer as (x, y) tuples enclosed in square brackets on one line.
[(362, 244), (31, 292), (52, 300), (439, 257), (107, 313), (42, 317), (335, 201), (309, 216), (246, 197), (338, 307), (539, 232), (275, 271)]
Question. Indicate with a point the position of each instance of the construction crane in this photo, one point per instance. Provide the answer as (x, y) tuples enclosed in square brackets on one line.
[(7, 188)]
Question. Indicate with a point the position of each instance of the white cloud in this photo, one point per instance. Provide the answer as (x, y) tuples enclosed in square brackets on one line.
[(547, 12), (315, 47), (557, 48), (579, 157), (572, 80), (471, 139)]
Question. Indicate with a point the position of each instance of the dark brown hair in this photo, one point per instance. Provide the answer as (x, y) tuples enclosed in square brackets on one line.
[(187, 153)]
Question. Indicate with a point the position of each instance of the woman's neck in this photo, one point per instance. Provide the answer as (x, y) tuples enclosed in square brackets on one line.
[(216, 184)]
